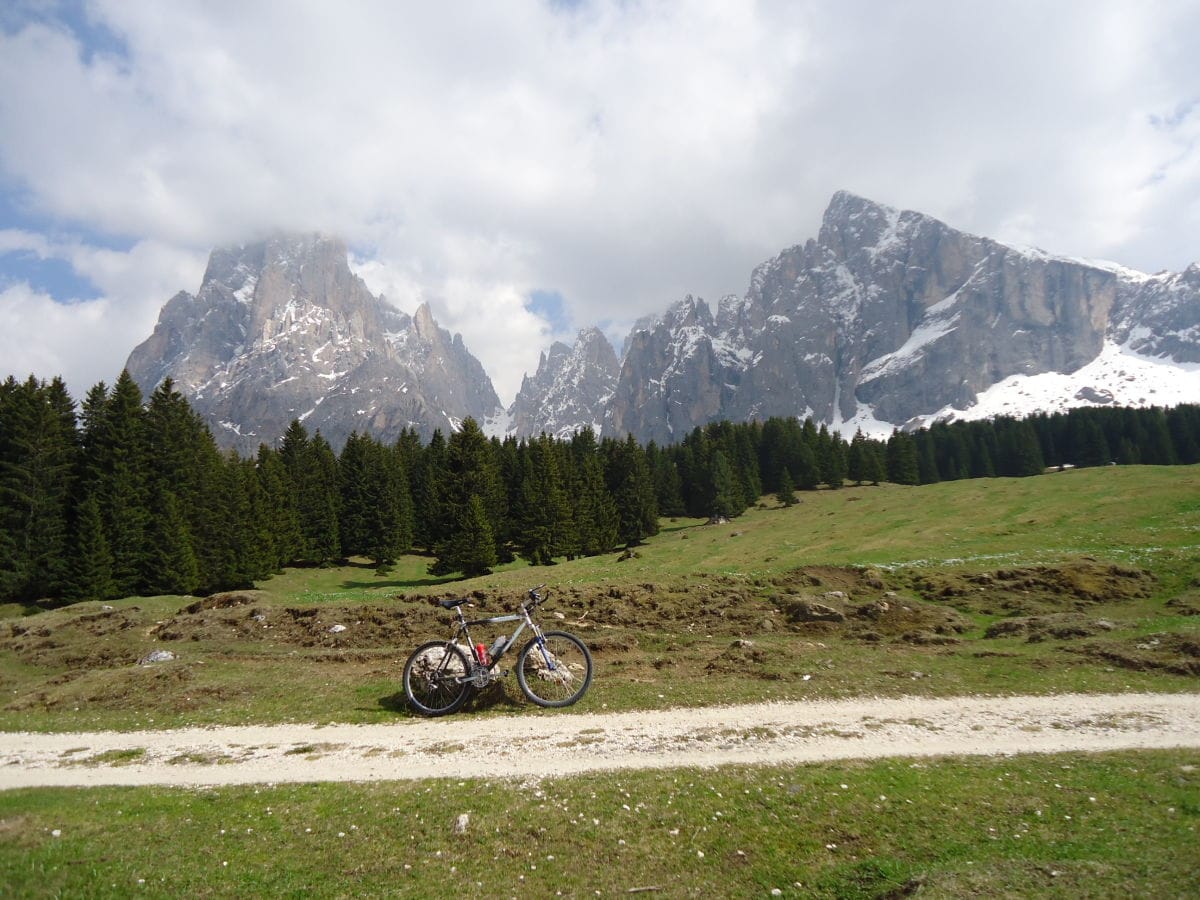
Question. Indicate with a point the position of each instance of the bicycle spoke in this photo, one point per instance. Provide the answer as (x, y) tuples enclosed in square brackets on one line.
[(555, 672)]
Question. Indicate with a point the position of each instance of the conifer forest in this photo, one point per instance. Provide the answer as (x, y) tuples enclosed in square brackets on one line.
[(124, 495)]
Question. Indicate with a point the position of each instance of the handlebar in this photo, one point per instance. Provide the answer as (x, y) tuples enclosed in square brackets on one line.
[(534, 597)]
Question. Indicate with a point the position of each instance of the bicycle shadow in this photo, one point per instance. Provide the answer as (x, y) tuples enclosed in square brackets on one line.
[(493, 697)]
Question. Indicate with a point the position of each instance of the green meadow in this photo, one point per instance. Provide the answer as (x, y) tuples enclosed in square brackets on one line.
[(1085, 580)]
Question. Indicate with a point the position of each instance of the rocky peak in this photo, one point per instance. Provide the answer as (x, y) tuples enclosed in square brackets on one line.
[(887, 317), (423, 324), (282, 329), (569, 391)]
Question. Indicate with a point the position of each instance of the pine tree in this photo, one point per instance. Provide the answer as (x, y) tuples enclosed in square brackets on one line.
[(114, 469), (875, 472), (37, 458), (431, 526), (856, 461), (1088, 444), (668, 487), (91, 563), (927, 468), (170, 564), (831, 460), (726, 500), (472, 480), (318, 502), (356, 494), (787, 490), (389, 526), (902, 467), (544, 513), (628, 477), (471, 548), (279, 509)]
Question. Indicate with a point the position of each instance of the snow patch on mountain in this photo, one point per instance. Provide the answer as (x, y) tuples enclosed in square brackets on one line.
[(1119, 376)]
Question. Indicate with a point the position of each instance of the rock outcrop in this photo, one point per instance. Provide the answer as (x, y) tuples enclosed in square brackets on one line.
[(283, 330), (890, 318), (570, 390)]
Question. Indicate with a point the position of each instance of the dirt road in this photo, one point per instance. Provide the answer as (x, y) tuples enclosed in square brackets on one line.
[(538, 744)]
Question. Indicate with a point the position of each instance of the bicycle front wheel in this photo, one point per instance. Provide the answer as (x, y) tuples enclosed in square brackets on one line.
[(432, 678), (556, 670)]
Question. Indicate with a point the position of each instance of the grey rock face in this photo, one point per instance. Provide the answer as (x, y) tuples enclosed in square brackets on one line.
[(674, 375), (569, 391), (895, 315), (283, 329)]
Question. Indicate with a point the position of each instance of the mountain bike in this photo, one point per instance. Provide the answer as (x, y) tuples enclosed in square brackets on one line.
[(554, 668)]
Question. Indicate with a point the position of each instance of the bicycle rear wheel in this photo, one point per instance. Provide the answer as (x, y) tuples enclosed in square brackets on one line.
[(431, 678), (556, 673)]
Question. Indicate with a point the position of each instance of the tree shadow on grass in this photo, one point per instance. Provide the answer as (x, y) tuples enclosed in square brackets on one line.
[(399, 583)]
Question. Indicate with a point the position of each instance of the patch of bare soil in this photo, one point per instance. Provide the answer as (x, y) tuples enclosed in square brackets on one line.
[(1178, 654), (856, 603), (1060, 626), (1035, 590), (83, 640)]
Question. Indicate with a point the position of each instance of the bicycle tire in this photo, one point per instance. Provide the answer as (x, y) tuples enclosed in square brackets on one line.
[(572, 670), (430, 678)]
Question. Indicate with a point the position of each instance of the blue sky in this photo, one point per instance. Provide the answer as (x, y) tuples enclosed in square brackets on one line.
[(534, 167)]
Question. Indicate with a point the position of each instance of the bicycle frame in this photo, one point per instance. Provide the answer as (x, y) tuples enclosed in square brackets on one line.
[(463, 630)]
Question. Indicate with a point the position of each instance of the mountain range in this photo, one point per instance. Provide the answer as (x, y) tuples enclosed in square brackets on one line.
[(886, 319)]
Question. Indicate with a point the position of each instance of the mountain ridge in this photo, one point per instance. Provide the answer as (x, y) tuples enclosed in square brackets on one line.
[(886, 318)]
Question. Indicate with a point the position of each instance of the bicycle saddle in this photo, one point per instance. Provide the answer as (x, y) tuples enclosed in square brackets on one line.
[(450, 604)]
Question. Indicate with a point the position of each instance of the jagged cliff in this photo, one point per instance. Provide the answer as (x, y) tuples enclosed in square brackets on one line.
[(282, 329), (570, 390), (892, 317), (887, 318)]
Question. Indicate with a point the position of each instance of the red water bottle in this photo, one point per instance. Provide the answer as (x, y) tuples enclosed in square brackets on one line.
[(481, 654)]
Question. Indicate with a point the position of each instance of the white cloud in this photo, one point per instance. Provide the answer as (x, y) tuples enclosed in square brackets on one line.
[(619, 153)]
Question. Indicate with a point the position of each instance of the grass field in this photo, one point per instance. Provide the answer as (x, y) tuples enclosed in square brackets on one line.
[(1104, 825), (1087, 580), (1076, 581)]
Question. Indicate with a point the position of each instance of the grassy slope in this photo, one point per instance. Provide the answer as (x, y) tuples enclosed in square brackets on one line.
[(1012, 827), (1121, 824), (662, 624)]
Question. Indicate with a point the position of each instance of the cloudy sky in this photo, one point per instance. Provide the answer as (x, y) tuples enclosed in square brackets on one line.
[(531, 167)]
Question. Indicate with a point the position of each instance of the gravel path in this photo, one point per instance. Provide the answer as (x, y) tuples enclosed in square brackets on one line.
[(538, 744)]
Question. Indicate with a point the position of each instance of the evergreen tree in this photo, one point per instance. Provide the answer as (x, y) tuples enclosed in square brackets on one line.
[(389, 506), (628, 477), (279, 509), (902, 466), (114, 470), (875, 472), (1088, 444), (471, 548), (726, 495), (856, 459), (745, 465), (786, 494), (318, 506), (668, 486), (473, 489), (831, 461), (356, 495), (927, 468), (544, 514), (37, 456), (431, 525), (170, 563), (91, 562)]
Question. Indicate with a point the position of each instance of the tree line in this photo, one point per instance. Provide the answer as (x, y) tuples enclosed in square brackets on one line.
[(126, 495)]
